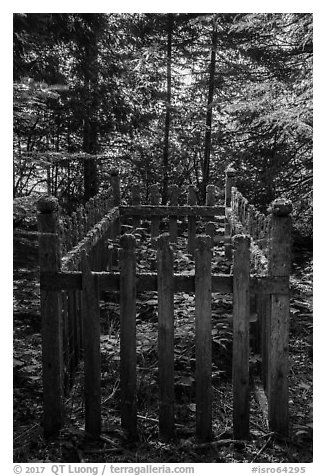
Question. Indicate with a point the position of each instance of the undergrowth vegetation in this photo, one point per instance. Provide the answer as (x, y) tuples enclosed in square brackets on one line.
[(73, 445)]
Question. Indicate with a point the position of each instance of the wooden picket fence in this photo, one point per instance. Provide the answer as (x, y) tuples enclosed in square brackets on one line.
[(71, 286)]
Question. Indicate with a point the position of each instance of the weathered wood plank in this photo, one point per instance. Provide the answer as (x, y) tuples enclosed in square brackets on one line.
[(165, 337), (145, 282), (240, 357), (92, 355), (278, 364), (128, 334), (52, 346), (165, 211), (203, 339), (221, 283)]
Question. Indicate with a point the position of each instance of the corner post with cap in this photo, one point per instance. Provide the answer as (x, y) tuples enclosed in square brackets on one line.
[(51, 308), (278, 362)]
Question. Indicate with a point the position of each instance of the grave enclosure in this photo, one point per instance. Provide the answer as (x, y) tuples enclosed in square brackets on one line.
[(80, 258)]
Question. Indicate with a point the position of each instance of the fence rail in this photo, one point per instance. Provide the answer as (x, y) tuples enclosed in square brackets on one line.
[(71, 287)]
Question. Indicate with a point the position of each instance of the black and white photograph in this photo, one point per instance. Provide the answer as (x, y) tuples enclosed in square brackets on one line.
[(162, 241)]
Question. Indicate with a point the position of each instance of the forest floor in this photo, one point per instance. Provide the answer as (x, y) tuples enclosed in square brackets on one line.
[(73, 445)]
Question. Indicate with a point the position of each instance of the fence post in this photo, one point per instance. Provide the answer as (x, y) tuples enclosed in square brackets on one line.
[(165, 336), (128, 334), (203, 339), (279, 266), (241, 315), (229, 183), (210, 195), (173, 223), (192, 200), (52, 346), (155, 200), (92, 355)]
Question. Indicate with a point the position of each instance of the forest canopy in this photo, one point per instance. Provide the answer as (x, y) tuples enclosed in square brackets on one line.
[(164, 98)]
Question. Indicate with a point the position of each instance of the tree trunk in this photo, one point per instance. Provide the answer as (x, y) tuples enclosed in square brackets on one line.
[(209, 113), (90, 142), (168, 111)]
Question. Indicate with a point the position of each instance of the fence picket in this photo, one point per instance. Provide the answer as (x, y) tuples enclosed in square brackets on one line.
[(203, 339), (210, 195), (92, 355), (240, 357), (128, 334), (165, 336)]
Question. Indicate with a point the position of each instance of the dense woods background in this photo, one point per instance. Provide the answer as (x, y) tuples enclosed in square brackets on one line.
[(163, 98), (167, 98)]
